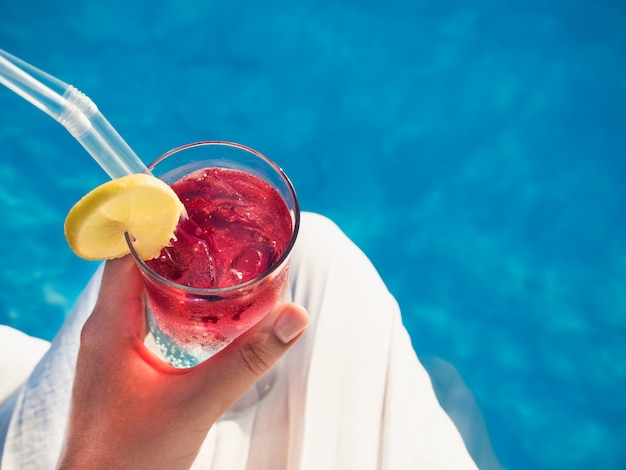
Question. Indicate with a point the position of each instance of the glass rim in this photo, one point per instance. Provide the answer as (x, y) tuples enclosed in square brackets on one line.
[(225, 290)]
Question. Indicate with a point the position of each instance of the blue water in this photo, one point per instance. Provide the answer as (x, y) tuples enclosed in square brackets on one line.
[(474, 150)]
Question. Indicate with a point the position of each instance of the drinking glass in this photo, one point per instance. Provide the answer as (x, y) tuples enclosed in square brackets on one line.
[(190, 324)]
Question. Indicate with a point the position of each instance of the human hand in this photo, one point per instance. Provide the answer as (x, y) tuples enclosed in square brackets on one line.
[(129, 409)]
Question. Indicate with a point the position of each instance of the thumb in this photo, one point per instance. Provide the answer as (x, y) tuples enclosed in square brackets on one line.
[(232, 371)]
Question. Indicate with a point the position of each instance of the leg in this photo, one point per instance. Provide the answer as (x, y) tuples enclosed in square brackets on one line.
[(356, 392)]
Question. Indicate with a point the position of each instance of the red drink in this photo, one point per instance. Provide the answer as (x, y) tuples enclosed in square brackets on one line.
[(228, 265), (238, 228)]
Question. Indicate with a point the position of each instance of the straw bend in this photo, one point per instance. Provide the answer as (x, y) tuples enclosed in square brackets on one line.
[(77, 120)]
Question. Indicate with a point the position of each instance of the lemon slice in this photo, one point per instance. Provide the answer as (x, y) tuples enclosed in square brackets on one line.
[(140, 204)]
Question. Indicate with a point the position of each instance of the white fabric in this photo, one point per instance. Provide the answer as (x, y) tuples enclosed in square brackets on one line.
[(20, 355), (350, 395)]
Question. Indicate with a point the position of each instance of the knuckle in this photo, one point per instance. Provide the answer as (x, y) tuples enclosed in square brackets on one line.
[(256, 359), (92, 333), (88, 335)]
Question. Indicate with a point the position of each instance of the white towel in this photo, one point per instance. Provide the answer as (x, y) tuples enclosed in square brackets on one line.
[(350, 395)]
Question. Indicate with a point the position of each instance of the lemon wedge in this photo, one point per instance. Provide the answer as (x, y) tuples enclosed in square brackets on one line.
[(140, 204)]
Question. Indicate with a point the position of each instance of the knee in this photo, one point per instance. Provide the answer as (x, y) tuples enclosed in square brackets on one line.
[(319, 230)]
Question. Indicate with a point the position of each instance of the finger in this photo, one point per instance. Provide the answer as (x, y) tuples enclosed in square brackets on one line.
[(231, 372), (119, 307)]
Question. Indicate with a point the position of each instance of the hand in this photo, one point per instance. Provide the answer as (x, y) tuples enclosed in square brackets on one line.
[(129, 409)]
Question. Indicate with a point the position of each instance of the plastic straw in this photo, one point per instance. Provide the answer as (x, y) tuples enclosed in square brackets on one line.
[(74, 111)]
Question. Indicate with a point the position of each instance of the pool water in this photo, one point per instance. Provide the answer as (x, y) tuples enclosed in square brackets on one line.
[(474, 150)]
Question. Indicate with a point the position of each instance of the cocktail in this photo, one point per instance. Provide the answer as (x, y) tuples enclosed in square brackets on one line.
[(213, 266), (227, 265)]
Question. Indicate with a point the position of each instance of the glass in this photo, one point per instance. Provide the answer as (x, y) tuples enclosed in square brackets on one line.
[(190, 324)]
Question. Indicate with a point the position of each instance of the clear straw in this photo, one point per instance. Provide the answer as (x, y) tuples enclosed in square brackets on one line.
[(74, 111)]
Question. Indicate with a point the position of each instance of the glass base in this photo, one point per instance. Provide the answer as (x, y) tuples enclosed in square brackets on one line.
[(177, 356)]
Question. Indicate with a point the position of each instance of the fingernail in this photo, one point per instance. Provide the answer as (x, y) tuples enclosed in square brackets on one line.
[(290, 324)]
